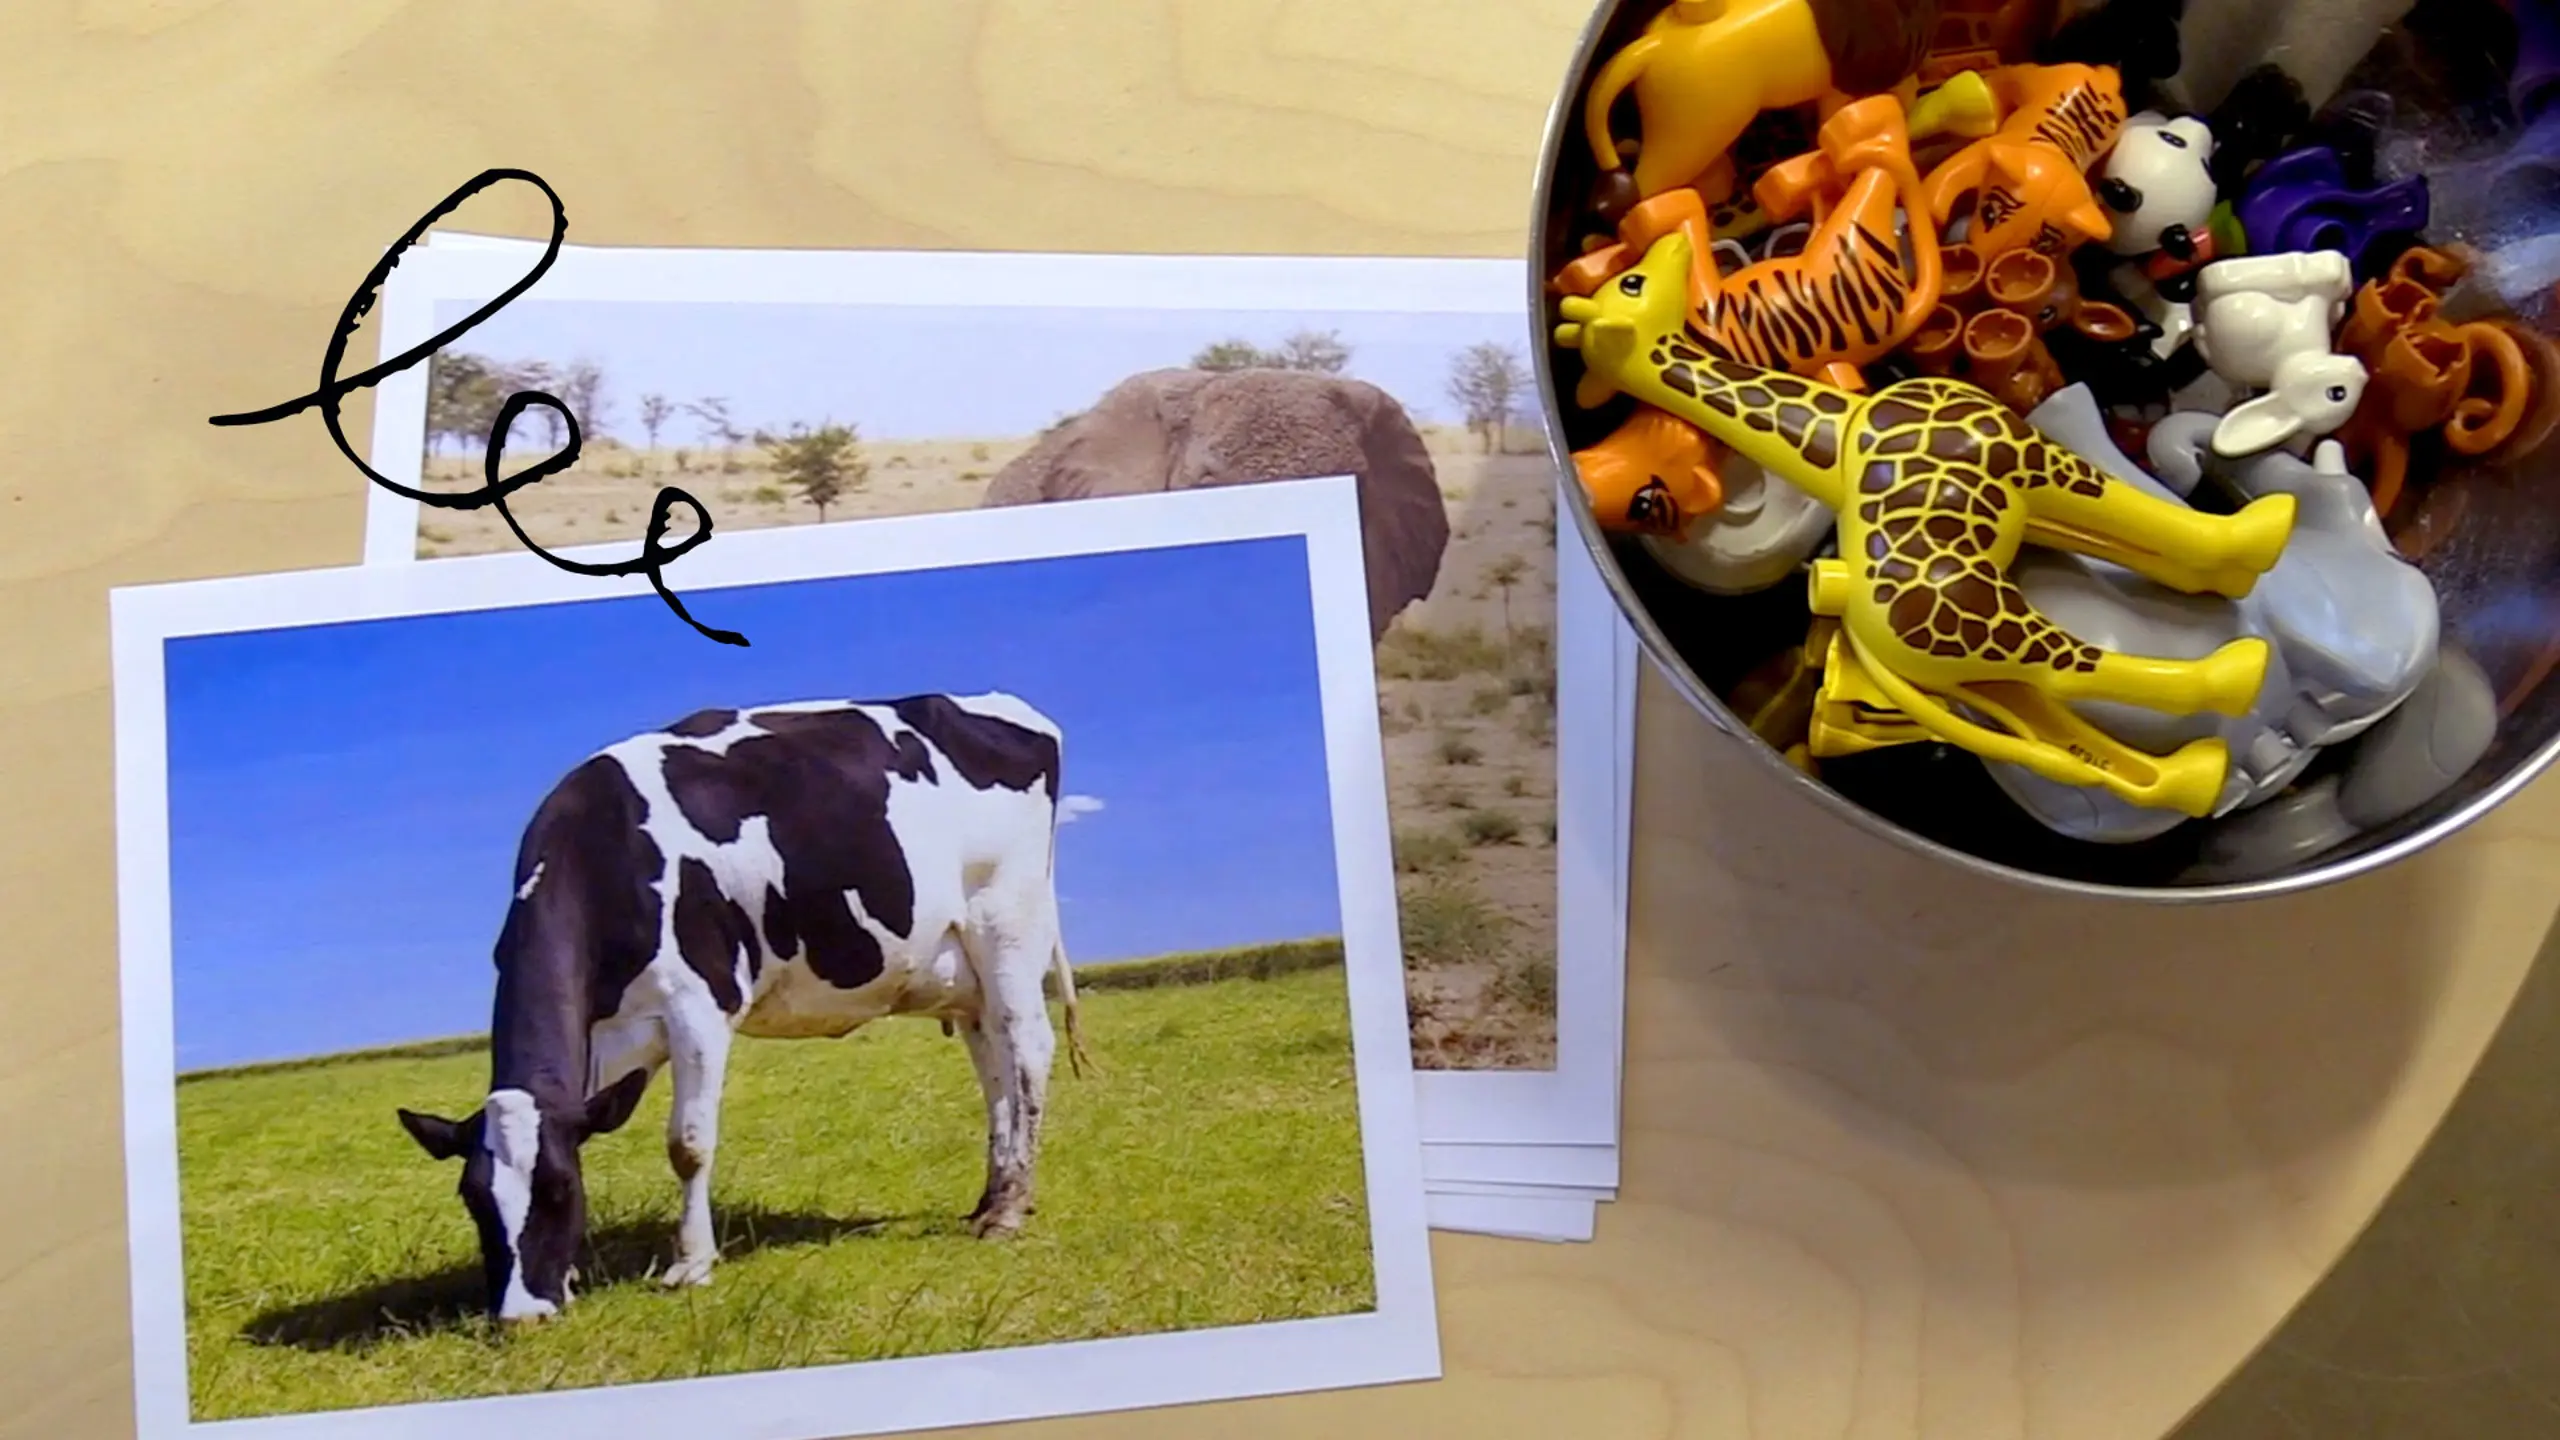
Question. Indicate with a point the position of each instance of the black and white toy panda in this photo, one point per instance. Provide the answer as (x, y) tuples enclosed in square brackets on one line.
[(2158, 190)]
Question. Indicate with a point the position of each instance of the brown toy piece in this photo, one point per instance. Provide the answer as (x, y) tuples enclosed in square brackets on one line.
[(1990, 323), (2486, 386)]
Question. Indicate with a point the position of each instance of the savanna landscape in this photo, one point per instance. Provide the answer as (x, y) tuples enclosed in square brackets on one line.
[(1209, 1173), (1466, 675)]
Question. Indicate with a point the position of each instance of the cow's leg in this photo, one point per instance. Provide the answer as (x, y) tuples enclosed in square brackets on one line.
[(1017, 1024), (698, 1054), (982, 1057)]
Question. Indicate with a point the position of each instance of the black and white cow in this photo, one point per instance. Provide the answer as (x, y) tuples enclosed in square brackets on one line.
[(793, 870)]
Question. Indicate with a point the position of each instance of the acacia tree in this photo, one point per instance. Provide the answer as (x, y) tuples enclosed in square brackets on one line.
[(463, 396), (582, 390), (1314, 350), (1486, 380), (1228, 355), (822, 463), (1317, 350), (515, 375), (655, 411), (713, 413)]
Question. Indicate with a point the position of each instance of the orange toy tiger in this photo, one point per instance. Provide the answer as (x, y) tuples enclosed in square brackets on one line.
[(1844, 301), (2031, 176)]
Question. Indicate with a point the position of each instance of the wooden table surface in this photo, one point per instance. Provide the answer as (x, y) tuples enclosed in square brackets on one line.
[(1907, 1154)]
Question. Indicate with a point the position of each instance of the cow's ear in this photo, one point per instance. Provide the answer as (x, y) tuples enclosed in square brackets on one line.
[(610, 1106), (436, 1135)]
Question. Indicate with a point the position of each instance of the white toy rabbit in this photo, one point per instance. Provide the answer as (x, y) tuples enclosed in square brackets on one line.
[(2265, 322)]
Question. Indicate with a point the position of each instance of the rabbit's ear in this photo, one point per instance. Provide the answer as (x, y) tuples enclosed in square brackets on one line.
[(2262, 424)]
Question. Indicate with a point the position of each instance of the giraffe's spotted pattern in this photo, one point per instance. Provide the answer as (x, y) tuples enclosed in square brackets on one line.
[(1943, 468), (1935, 486)]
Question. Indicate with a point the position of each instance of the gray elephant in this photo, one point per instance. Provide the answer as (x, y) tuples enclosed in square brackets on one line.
[(1186, 429), (2353, 627)]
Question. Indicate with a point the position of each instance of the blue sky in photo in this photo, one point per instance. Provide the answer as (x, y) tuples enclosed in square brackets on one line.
[(900, 372), (345, 800)]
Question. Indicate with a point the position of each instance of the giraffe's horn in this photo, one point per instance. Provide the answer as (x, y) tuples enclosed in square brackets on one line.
[(1608, 340)]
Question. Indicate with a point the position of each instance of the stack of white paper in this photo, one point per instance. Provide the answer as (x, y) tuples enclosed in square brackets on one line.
[(1506, 685)]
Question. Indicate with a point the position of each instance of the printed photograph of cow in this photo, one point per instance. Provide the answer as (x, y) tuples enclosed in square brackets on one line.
[(560, 1000), (779, 414)]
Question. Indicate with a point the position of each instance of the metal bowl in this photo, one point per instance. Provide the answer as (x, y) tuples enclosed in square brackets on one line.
[(2497, 576)]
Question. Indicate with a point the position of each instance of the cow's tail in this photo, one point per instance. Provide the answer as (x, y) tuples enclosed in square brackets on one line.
[(1077, 1060)]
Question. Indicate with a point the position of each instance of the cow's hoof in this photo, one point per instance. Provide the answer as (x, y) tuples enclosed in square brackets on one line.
[(687, 1272), (996, 1225), (530, 1312)]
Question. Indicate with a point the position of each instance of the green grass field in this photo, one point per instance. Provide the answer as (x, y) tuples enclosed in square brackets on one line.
[(1210, 1175)]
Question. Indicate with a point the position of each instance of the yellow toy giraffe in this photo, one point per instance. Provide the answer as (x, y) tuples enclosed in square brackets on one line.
[(1936, 485)]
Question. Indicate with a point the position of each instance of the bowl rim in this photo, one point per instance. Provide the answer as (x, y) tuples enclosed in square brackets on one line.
[(1563, 117)]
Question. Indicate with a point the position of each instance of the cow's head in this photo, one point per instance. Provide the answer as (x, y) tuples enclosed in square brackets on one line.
[(521, 1183)]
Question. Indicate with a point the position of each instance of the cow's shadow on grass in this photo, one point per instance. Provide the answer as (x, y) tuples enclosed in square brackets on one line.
[(453, 1299)]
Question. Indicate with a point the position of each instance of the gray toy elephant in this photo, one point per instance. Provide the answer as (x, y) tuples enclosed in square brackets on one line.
[(2353, 626)]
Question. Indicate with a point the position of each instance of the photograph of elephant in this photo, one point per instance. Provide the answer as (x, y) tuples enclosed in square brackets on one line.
[(970, 964), (785, 414)]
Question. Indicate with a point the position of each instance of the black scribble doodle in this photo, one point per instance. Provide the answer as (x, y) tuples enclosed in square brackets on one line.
[(655, 554)]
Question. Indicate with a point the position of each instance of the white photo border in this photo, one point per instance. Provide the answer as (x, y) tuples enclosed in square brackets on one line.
[(1575, 1102), (1396, 1341)]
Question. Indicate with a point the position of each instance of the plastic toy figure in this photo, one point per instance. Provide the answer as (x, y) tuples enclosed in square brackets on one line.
[(2265, 321), (2476, 383), (1989, 329), (2301, 201), (1935, 486), (2415, 754), (1704, 69), (2353, 626), (1844, 301), (1759, 537), (2028, 182), (2158, 188)]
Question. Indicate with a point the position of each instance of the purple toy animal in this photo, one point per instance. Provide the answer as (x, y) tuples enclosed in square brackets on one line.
[(2301, 201)]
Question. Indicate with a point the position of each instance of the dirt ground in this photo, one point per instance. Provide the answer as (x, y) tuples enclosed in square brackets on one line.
[(1466, 686)]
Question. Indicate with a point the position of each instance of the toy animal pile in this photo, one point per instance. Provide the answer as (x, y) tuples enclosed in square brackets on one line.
[(1908, 363)]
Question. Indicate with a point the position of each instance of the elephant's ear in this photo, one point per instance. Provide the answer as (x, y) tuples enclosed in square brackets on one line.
[(1121, 445), (1404, 521)]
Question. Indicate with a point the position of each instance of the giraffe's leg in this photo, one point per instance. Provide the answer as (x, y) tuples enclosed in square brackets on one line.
[(2225, 682), (1984, 629), (2044, 736), (2073, 506)]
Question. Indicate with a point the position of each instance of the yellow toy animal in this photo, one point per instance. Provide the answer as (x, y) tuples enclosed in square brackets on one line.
[(1936, 485), (1703, 70)]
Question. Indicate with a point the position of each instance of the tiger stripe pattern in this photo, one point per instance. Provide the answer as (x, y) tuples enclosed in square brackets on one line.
[(1842, 298), (2081, 122)]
